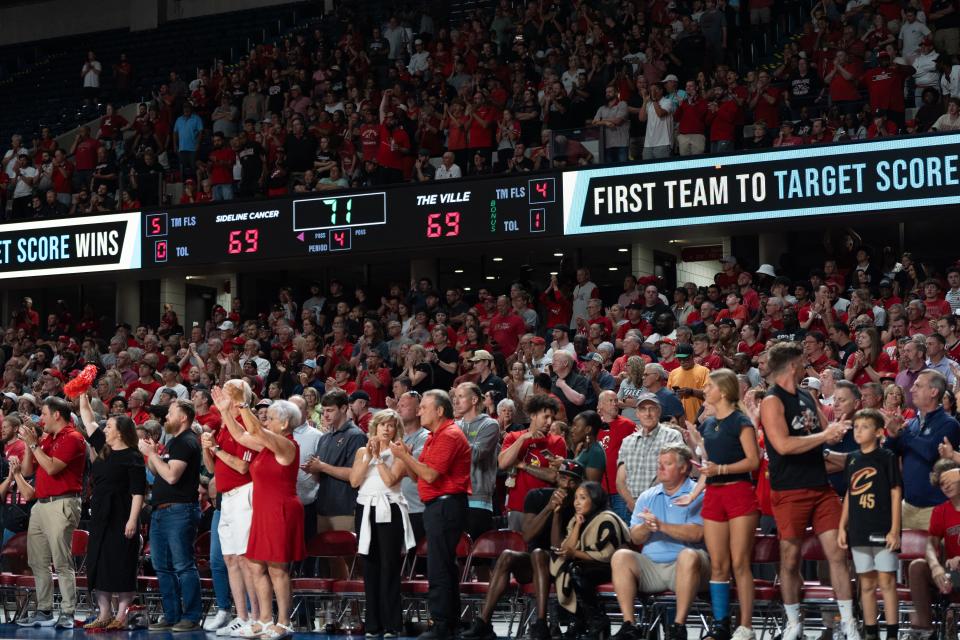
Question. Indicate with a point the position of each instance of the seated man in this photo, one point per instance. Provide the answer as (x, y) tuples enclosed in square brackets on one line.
[(940, 566), (671, 532), (539, 512)]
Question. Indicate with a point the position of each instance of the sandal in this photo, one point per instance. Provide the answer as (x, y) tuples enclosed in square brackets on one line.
[(256, 629), (117, 624), (276, 631)]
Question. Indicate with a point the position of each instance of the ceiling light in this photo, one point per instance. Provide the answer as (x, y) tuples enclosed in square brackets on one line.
[(467, 288), (623, 250), (458, 270), (491, 277), (612, 268), (553, 273), (558, 255), (498, 259)]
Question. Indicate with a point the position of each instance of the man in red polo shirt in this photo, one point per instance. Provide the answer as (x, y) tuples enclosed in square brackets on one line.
[(58, 460), (443, 480)]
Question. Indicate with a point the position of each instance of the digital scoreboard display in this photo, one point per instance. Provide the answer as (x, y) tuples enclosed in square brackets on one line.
[(435, 214), (878, 176)]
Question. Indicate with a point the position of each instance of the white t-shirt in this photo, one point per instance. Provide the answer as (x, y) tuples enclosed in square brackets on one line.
[(911, 34), (23, 190), (581, 296), (659, 130), (92, 77), (453, 172)]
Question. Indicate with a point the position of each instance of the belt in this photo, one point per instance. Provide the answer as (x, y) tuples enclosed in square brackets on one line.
[(166, 505), (448, 496), (62, 496)]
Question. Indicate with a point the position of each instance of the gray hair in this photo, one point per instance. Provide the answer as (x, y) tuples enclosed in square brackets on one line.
[(682, 451), (606, 346), (506, 403), (285, 411)]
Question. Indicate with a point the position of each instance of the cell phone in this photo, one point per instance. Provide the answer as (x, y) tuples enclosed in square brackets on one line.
[(546, 453)]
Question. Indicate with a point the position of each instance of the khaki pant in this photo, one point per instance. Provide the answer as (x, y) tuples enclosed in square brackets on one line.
[(691, 144), (50, 541), (916, 517)]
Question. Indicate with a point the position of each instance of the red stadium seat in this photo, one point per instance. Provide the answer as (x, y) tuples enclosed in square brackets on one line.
[(490, 546)]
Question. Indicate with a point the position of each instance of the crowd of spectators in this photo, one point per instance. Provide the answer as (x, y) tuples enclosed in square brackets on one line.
[(354, 104), (551, 385)]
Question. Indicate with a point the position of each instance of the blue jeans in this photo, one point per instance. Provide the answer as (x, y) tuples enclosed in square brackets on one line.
[(619, 506), (615, 155), (223, 191), (173, 532), (218, 568)]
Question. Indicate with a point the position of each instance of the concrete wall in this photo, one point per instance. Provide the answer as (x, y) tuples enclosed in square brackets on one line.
[(56, 18)]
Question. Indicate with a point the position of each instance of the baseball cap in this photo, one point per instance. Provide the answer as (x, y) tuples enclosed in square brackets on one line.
[(886, 283), (729, 322), (671, 78), (12, 396), (729, 259), (481, 354), (359, 395), (767, 270), (310, 363), (562, 327), (571, 468), (811, 383), (226, 325), (636, 306), (56, 373), (30, 398), (538, 340), (684, 351), (648, 397), (595, 357), (266, 402)]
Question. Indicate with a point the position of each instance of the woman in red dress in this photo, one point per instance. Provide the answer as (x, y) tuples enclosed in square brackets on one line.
[(276, 533)]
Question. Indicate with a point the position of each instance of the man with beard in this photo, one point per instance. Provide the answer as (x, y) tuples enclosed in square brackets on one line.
[(173, 524)]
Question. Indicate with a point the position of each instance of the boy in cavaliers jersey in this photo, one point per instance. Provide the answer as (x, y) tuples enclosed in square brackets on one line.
[(870, 524), (800, 493)]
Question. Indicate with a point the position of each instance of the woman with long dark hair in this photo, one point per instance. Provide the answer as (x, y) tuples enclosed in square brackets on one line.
[(119, 485)]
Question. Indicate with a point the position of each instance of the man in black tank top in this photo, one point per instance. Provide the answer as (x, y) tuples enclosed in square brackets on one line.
[(795, 431)]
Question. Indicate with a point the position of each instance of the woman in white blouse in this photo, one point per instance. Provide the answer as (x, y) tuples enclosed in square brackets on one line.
[(383, 523)]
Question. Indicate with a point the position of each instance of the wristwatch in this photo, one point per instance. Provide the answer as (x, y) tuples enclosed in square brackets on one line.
[(214, 449), (34, 446)]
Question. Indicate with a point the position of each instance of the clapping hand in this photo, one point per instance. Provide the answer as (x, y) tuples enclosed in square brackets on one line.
[(146, 447), (945, 449), (221, 400), (28, 435)]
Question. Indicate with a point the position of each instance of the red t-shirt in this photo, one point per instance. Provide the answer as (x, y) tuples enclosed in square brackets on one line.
[(558, 308), (723, 122), (364, 421), (936, 309), (530, 454), (369, 140), (769, 113), (692, 118), (447, 452), (883, 364), (506, 330), (150, 388), (885, 86), (62, 178), (211, 419), (85, 155), (740, 313), (227, 477), (221, 165), (481, 135), (140, 416), (604, 322), (378, 395), (610, 439), (711, 361), (945, 523), (392, 159), (843, 89), (643, 327), (69, 447)]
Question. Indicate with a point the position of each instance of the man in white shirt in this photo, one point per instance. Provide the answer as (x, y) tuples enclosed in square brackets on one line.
[(90, 73), (448, 169), (171, 380), (24, 178), (420, 60), (926, 74), (912, 34), (582, 293), (657, 112), (953, 294)]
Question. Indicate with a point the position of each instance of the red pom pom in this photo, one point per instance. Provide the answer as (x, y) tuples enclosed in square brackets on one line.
[(82, 382)]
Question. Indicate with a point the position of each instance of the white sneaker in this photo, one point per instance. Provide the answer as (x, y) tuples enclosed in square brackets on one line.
[(220, 620), (239, 630), (792, 631), (743, 633), (224, 631), (849, 630), (254, 630)]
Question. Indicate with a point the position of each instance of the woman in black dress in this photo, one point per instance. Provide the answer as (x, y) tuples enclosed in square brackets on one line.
[(119, 485)]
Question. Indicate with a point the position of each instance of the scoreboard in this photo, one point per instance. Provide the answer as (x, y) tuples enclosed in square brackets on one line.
[(421, 216)]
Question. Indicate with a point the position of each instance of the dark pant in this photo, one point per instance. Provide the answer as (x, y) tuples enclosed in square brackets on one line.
[(444, 521), (479, 521), (381, 572)]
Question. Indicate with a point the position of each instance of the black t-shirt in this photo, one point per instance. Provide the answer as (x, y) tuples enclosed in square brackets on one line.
[(650, 313), (721, 439), (442, 379), (185, 447), (804, 89), (801, 470), (579, 384), (493, 383), (251, 161), (535, 502), (275, 96), (300, 152), (427, 383), (845, 352), (870, 478)]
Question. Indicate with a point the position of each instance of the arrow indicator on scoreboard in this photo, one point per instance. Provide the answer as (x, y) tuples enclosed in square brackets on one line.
[(300, 236)]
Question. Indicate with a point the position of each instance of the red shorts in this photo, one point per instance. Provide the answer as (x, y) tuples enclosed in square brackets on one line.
[(795, 509), (724, 502)]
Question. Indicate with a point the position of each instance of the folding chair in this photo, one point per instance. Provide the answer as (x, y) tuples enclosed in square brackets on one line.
[(490, 546), (414, 590), (767, 601), (326, 545)]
